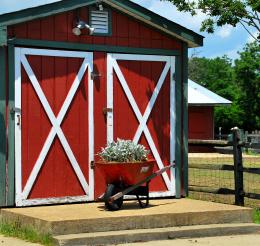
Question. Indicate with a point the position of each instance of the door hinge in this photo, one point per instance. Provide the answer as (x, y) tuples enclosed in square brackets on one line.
[(92, 164), (15, 110)]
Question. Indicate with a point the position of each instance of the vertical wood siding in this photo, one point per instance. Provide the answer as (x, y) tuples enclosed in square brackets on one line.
[(201, 122), (125, 31)]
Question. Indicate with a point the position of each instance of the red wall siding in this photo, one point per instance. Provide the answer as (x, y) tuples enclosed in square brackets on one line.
[(125, 31), (201, 122)]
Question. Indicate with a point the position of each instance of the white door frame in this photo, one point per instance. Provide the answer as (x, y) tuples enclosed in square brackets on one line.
[(21, 195), (112, 65)]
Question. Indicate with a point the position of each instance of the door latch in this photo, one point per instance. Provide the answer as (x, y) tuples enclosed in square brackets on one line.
[(94, 75), (107, 110)]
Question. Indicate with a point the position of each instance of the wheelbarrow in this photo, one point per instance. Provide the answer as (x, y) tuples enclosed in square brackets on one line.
[(128, 179)]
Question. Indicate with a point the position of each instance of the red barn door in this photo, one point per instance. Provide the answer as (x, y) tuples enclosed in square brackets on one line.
[(54, 126), (141, 107)]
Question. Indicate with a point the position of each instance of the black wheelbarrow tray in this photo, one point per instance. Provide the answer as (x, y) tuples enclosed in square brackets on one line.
[(127, 179)]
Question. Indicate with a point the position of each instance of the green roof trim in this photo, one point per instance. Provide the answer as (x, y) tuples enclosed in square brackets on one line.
[(42, 11), (191, 38)]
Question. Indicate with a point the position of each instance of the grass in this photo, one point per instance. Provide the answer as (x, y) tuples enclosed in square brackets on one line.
[(256, 217), (223, 179), (26, 233)]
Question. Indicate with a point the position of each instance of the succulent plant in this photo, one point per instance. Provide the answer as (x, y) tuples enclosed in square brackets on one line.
[(123, 151)]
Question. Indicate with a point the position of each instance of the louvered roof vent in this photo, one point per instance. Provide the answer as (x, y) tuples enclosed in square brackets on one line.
[(100, 21)]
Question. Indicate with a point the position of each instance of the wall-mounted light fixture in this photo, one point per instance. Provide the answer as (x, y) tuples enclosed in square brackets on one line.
[(100, 7), (81, 25)]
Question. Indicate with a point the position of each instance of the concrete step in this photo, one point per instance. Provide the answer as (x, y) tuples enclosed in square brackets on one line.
[(145, 235), (92, 217)]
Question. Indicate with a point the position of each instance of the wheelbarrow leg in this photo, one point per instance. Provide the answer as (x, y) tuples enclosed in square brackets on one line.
[(146, 203), (111, 190)]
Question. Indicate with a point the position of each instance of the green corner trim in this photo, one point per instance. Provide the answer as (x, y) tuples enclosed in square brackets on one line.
[(185, 119), (2, 126), (126, 6), (3, 35), (11, 140), (178, 148), (91, 47)]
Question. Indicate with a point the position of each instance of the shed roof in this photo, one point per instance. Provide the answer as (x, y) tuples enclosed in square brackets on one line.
[(138, 12), (199, 95)]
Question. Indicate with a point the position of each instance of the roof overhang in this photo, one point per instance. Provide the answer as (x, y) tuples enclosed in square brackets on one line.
[(209, 104), (199, 95), (132, 9)]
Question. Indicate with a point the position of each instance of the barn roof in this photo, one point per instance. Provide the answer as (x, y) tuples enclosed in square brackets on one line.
[(138, 12), (199, 95)]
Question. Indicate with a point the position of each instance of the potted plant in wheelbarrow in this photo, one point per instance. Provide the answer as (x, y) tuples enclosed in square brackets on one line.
[(125, 167)]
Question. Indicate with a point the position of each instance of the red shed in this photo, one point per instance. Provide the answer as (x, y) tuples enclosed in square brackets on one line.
[(201, 111), (78, 73)]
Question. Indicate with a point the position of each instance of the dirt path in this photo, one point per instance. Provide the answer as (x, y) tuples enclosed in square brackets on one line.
[(9, 241)]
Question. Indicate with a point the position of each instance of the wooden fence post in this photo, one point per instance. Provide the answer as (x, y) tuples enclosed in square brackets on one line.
[(238, 168)]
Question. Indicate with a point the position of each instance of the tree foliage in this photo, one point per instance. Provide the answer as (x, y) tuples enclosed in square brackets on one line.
[(239, 83), (220, 13), (247, 72)]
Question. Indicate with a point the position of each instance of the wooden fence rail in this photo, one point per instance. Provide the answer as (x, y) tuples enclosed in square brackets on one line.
[(237, 168)]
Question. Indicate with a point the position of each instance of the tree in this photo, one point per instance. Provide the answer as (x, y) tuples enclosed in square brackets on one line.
[(247, 76), (218, 76), (220, 13)]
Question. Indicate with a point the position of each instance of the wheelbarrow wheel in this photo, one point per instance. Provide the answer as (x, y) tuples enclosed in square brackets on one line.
[(110, 191)]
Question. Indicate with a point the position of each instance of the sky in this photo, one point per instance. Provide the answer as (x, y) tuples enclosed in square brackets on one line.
[(226, 40)]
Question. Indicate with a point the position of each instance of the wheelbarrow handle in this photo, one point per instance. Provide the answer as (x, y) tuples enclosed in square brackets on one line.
[(133, 187)]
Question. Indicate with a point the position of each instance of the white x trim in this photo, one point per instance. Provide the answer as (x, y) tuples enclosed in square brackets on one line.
[(169, 65), (21, 196)]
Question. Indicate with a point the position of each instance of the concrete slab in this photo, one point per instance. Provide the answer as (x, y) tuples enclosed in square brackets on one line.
[(241, 240), (92, 217), (144, 235), (130, 208)]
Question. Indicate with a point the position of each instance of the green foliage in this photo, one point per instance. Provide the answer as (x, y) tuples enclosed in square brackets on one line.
[(247, 71), (239, 83), (25, 233), (123, 151), (256, 216), (220, 13)]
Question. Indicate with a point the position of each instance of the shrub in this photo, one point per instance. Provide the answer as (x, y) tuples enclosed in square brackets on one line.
[(123, 151)]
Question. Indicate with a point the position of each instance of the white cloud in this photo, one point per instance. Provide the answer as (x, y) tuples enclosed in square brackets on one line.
[(232, 54), (225, 31), (169, 11)]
